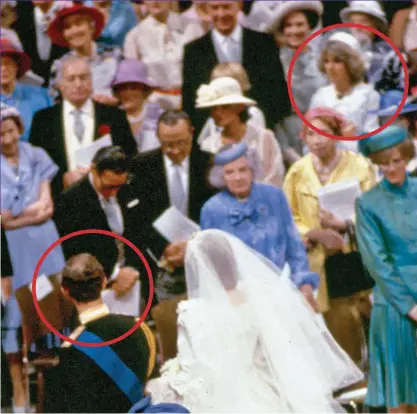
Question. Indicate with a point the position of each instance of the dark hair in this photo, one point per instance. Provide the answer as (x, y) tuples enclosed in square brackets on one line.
[(244, 115), (83, 277), (172, 116), (112, 158), (311, 16)]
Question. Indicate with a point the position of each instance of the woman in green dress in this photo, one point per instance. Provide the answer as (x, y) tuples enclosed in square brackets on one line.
[(387, 238)]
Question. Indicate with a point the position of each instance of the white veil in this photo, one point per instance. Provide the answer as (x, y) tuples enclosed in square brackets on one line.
[(305, 363)]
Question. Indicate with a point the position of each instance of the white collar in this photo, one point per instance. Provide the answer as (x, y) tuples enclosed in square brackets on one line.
[(236, 35), (87, 108), (184, 164)]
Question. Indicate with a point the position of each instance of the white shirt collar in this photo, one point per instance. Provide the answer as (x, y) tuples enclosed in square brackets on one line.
[(86, 109), (184, 164), (236, 35)]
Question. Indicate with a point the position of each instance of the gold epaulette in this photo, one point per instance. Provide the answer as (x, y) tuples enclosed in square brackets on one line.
[(150, 339), (74, 336)]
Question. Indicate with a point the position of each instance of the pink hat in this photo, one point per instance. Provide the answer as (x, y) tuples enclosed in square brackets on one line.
[(320, 111), (7, 48)]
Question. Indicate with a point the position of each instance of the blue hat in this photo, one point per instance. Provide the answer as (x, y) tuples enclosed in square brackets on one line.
[(230, 154), (388, 138), (390, 101), (166, 408)]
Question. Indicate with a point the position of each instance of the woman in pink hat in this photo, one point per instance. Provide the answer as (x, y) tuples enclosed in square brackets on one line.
[(132, 88), (77, 27), (323, 233)]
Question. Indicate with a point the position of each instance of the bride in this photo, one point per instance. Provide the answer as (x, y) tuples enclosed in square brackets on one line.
[(248, 342)]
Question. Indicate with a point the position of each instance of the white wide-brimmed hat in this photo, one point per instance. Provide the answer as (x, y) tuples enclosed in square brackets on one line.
[(221, 91), (286, 7), (373, 8), (347, 39)]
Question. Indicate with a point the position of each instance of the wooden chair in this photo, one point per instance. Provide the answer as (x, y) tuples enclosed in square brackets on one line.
[(165, 316), (58, 312)]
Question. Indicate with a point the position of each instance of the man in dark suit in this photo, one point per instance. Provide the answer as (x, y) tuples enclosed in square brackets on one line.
[(230, 42), (31, 26), (104, 200), (102, 379), (76, 123), (175, 175)]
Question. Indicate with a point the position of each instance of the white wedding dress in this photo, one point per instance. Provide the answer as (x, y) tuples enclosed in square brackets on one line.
[(252, 347)]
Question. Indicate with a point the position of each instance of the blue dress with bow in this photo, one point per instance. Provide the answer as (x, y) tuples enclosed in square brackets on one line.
[(20, 188), (265, 223)]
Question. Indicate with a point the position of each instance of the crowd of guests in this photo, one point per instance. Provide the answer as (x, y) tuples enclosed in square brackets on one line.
[(196, 105)]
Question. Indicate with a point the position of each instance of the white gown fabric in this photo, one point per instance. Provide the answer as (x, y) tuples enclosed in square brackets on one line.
[(248, 342)]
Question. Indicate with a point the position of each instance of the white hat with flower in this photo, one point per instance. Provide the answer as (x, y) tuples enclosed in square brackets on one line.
[(222, 91)]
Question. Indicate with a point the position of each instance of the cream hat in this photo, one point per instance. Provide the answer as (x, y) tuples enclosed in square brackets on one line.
[(286, 7), (373, 8), (221, 91), (347, 39)]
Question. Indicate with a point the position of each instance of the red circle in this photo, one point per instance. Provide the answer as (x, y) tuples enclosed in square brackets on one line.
[(338, 26), (79, 233)]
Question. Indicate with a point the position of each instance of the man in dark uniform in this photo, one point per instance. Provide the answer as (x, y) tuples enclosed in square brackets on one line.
[(106, 378)]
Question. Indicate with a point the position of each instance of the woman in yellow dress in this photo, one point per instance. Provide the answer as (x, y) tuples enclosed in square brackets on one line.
[(322, 232)]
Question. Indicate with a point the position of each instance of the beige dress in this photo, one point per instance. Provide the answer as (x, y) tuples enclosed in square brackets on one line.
[(265, 144)]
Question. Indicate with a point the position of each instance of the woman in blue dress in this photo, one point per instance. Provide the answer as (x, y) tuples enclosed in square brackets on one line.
[(256, 213), (387, 237), (26, 210), (28, 99)]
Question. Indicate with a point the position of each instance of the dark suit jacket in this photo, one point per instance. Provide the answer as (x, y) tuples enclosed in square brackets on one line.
[(79, 385), (25, 28), (79, 208), (153, 189), (262, 63), (47, 132)]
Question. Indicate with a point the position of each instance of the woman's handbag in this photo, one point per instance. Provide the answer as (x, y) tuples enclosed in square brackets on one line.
[(345, 272)]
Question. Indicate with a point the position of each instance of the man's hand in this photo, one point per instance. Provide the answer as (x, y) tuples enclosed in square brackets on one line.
[(307, 291), (174, 254), (125, 280), (71, 177)]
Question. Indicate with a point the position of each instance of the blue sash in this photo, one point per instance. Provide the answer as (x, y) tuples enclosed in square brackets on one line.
[(113, 366)]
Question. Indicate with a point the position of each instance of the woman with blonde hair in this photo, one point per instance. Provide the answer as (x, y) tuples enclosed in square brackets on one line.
[(236, 71), (229, 110), (343, 63), (323, 233)]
